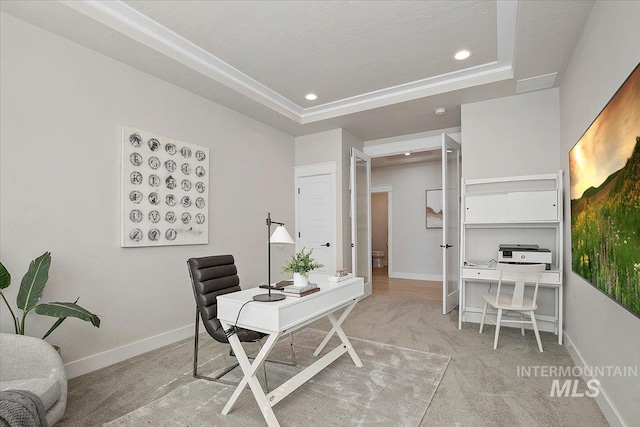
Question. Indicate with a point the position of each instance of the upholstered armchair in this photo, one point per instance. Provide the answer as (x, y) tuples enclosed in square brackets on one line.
[(31, 364)]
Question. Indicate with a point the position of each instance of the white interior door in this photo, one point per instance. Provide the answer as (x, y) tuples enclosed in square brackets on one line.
[(316, 219), (361, 217), (451, 175)]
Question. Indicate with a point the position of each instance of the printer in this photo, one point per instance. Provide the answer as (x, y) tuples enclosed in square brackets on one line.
[(524, 254)]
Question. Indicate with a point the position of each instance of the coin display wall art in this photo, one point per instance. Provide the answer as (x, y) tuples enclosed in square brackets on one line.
[(165, 191)]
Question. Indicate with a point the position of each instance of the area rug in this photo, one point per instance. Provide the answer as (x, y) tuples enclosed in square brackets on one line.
[(393, 388)]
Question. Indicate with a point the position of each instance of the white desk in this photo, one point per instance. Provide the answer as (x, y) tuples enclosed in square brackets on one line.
[(282, 317), (548, 279)]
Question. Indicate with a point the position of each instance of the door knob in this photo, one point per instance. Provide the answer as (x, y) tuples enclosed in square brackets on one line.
[(326, 244)]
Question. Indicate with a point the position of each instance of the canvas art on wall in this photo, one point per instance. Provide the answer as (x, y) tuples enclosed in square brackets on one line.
[(434, 208), (165, 191), (605, 198)]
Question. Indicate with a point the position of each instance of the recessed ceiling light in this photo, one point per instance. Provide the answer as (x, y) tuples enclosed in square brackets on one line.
[(440, 111), (462, 54), (311, 97), (407, 154)]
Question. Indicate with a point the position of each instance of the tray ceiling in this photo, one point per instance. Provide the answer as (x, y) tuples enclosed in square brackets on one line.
[(379, 68)]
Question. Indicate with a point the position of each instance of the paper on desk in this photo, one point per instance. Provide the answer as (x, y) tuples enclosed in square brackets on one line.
[(476, 263)]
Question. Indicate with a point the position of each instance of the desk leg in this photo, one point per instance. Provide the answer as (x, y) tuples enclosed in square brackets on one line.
[(335, 327), (345, 341), (249, 371), (557, 308)]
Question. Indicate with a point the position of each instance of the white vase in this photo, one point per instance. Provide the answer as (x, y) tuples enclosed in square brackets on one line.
[(299, 280)]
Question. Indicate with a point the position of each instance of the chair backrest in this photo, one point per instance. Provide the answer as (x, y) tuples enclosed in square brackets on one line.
[(212, 276), (523, 273)]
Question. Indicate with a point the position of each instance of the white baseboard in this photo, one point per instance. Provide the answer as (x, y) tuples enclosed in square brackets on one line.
[(602, 399), (415, 276), (109, 357)]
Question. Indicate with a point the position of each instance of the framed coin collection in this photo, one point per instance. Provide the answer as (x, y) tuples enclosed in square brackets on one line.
[(165, 191)]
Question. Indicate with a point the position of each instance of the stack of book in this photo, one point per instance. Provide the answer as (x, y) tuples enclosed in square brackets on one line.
[(294, 291)]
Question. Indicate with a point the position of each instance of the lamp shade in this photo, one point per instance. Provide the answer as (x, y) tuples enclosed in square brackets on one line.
[(281, 236)]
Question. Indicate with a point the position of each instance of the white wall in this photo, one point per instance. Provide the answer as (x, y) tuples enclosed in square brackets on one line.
[(515, 135), (602, 332), (416, 250), (62, 111)]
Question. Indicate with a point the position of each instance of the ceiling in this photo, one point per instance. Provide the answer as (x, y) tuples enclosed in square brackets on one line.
[(380, 69)]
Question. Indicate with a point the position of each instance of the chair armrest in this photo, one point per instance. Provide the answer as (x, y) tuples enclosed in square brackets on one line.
[(28, 357)]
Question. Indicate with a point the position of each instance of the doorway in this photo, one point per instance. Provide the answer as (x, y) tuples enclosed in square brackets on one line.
[(381, 229), (421, 254), (412, 263)]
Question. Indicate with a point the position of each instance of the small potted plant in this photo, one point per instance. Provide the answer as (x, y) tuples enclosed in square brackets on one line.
[(300, 265), (30, 292)]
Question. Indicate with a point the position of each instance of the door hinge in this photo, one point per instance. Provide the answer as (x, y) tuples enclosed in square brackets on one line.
[(298, 234), (298, 191)]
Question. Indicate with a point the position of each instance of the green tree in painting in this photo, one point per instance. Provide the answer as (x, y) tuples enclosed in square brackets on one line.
[(605, 225)]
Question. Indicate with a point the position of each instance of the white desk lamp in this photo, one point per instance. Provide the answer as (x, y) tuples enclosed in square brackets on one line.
[(279, 237)]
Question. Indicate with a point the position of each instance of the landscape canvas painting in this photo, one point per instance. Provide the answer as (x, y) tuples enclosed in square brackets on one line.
[(605, 198), (434, 208)]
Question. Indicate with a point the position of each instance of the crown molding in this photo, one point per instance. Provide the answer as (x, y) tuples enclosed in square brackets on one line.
[(128, 21)]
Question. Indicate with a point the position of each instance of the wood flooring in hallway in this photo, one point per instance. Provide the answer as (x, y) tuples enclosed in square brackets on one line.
[(423, 290)]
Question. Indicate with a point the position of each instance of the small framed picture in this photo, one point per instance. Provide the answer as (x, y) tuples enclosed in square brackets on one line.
[(433, 208)]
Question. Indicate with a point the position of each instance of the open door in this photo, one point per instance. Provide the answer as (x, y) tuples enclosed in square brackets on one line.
[(361, 217), (451, 176)]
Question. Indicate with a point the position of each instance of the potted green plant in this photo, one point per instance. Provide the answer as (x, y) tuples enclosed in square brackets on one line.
[(300, 265), (30, 292)]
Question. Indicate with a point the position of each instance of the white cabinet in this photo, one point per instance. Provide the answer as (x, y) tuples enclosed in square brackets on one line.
[(534, 206), (510, 210), (487, 208), (514, 206)]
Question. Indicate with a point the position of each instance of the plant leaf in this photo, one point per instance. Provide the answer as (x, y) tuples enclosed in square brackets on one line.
[(33, 282), (55, 325), (5, 277), (67, 309)]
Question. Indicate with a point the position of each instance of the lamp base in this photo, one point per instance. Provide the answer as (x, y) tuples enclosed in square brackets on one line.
[(269, 297)]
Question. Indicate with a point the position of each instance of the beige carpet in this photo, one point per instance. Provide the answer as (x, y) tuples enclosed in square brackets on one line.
[(394, 387)]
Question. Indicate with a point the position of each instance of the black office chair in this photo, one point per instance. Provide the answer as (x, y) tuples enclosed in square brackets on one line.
[(212, 276)]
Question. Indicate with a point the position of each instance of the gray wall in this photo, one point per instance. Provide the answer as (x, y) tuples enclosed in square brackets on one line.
[(515, 135), (62, 111), (602, 332)]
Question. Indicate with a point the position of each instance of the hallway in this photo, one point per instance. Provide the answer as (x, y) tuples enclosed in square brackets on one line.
[(422, 290)]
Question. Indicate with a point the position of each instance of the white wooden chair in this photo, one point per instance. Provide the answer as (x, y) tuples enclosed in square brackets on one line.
[(516, 301)]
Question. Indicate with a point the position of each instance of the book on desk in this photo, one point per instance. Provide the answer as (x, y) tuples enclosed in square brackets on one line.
[(297, 294), (296, 291)]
